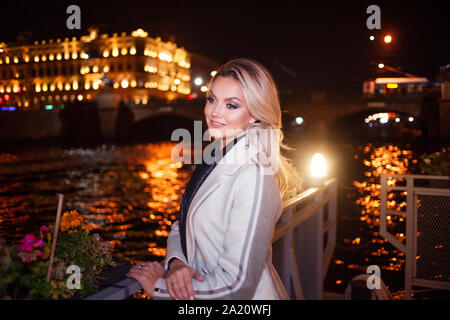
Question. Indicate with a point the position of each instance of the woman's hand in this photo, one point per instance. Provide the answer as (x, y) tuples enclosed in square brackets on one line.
[(179, 280), (147, 273)]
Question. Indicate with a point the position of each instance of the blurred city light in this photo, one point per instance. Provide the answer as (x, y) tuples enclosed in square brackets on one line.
[(198, 81), (372, 38), (299, 120), (381, 65), (318, 166), (388, 39)]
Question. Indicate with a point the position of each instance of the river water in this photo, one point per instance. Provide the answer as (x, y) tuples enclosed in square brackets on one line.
[(130, 194)]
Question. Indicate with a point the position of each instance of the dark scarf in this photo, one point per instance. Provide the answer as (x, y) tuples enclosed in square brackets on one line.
[(201, 172)]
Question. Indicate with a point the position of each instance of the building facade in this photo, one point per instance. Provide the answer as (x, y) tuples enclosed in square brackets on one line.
[(48, 74)]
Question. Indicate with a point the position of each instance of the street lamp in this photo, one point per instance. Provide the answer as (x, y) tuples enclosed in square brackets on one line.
[(318, 169), (388, 39)]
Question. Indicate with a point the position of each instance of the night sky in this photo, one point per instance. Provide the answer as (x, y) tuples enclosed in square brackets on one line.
[(307, 45)]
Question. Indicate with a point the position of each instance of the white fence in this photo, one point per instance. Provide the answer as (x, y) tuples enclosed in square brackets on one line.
[(426, 247), (302, 247)]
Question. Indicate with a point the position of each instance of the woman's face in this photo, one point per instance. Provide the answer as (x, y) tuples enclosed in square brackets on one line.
[(226, 111)]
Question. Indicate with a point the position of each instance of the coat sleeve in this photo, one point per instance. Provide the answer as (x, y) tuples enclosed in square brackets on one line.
[(256, 206), (174, 249)]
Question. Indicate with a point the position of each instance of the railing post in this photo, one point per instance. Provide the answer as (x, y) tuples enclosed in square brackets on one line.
[(410, 230)]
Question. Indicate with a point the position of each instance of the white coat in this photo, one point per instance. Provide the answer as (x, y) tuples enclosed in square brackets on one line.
[(229, 228)]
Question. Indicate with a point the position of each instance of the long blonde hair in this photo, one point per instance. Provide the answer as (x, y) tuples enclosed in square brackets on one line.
[(261, 96)]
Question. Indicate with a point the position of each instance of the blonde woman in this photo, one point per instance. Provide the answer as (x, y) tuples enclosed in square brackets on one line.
[(220, 248)]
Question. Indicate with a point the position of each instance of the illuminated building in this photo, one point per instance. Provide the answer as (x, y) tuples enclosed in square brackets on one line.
[(135, 66)]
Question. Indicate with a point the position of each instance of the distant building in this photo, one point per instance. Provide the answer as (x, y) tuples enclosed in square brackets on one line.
[(136, 67)]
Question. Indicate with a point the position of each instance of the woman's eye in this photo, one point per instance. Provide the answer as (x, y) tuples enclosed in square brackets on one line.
[(231, 106), (210, 99)]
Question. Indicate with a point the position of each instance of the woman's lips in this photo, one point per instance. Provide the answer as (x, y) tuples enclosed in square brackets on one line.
[(216, 124)]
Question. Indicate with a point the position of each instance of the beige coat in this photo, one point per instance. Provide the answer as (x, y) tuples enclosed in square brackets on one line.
[(229, 228)]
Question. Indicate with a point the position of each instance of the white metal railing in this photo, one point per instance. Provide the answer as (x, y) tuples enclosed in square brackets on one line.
[(427, 215), (302, 246)]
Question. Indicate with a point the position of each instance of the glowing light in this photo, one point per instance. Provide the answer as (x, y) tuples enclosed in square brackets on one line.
[(16, 60), (116, 85), (7, 59), (381, 65), (95, 85), (80, 97), (132, 51), (139, 33), (318, 166), (384, 118), (392, 86), (106, 53), (74, 55), (124, 83), (133, 83), (106, 69), (66, 55), (115, 52), (213, 73), (388, 39), (164, 56), (84, 55), (44, 87), (397, 119), (410, 119), (58, 56), (299, 120), (67, 87), (95, 69), (204, 89), (124, 51), (176, 81), (198, 81), (75, 85), (51, 57), (372, 38), (87, 85), (36, 58), (38, 87), (26, 58)]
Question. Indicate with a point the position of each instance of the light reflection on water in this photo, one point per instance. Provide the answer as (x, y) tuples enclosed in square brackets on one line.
[(360, 244), (129, 194)]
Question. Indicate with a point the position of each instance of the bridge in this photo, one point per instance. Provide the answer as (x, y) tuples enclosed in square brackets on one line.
[(145, 121)]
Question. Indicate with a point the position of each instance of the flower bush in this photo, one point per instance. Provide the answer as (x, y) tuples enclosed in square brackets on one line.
[(24, 266), (437, 163)]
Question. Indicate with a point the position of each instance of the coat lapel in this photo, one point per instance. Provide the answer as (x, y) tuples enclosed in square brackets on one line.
[(228, 165)]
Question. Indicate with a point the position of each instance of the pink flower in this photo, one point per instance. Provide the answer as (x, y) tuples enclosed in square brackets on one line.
[(29, 238), (44, 229), (26, 247), (39, 243)]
